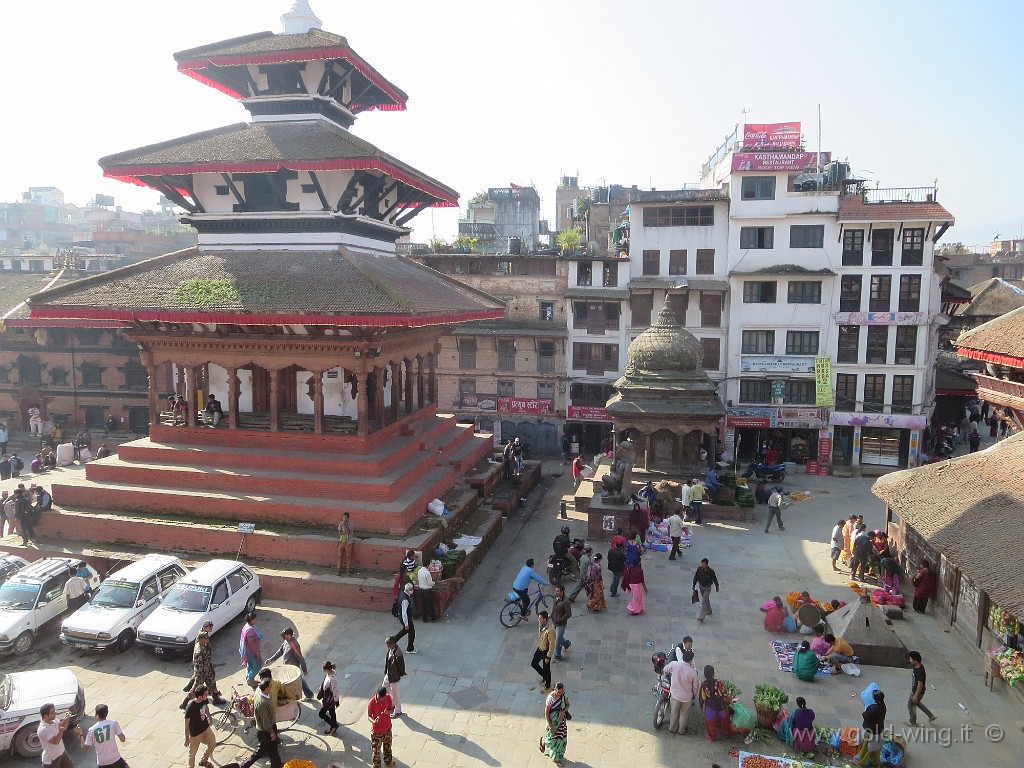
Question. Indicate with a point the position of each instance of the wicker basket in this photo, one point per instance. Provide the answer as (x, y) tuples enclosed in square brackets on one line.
[(766, 716)]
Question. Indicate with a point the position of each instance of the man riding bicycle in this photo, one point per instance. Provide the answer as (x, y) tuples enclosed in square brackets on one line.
[(521, 585)]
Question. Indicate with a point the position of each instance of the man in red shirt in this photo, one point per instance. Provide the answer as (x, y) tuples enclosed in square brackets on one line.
[(378, 712)]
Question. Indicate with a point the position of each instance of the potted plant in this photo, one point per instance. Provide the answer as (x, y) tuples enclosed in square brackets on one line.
[(768, 700), (569, 240)]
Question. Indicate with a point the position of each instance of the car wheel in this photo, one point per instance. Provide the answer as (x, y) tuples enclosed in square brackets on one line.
[(250, 605), (125, 640), (26, 742), (24, 642)]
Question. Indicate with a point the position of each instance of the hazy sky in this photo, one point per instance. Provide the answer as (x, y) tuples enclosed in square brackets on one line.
[(636, 92)]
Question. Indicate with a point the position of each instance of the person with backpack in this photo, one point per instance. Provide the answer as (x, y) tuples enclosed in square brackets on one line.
[(16, 465), (402, 609)]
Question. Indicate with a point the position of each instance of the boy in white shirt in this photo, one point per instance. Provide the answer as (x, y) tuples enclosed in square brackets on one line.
[(102, 738)]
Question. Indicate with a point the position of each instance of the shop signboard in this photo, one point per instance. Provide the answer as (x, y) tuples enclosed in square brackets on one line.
[(469, 401), (823, 381), (880, 420), (778, 391), (881, 318), (764, 135), (801, 418), (761, 418), (778, 161), (526, 405), (588, 413), (824, 449), (771, 364)]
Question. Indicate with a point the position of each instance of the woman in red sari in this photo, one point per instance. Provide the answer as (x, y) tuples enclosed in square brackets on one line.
[(924, 587)]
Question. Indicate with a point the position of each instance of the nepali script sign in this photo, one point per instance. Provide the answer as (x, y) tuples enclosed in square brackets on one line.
[(525, 405), (764, 135), (588, 413), (823, 381)]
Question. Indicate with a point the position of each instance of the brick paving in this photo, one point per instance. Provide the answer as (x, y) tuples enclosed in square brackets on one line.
[(473, 700)]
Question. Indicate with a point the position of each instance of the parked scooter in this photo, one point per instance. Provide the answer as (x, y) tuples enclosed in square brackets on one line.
[(769, 473)]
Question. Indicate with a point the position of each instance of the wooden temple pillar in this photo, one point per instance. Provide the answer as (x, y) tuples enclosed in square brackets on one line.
[(179, 386), (396, 388), (420, 388), (408, 386), (275, 395), (378, 396), (318, 402), (192, 412), (154, 394), (648, 450), (432, 378), (362, 405), (233, 387)]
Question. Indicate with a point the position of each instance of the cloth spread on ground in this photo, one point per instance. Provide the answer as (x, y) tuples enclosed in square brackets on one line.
[(784, 653), (659, 540), (751, 759), (468, 543), (800, 496)]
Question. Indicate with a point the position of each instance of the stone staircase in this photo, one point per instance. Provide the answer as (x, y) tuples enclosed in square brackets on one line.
[(186, 489)]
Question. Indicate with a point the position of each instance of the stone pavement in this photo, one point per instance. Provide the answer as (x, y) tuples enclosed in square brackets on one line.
[(473, 700)]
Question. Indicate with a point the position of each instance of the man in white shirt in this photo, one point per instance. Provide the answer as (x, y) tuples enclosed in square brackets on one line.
[(675, 532), (74, 591), (102, 738), (837, 543), (774, 510), (425, 585), (683, 690), (684, 497), (51, 736)]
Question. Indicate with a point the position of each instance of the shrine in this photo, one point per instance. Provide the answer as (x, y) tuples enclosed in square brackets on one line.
[(293, 311)]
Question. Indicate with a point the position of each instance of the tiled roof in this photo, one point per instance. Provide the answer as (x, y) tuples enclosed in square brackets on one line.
[(512, 326), (994, 297), (15, 287), (269, 287), (582, 292), (658, 282), (948, 380), (1002, 336), (264, 147), (787, 269), (853, 208), (971, 509)]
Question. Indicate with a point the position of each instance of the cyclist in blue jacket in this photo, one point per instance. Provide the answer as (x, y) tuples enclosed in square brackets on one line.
[(522, 585)]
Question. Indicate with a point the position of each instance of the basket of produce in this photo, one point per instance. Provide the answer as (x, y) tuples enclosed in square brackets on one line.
[(768, 700)]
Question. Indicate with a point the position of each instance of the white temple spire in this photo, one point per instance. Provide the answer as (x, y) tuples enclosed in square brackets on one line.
[(300, 19)]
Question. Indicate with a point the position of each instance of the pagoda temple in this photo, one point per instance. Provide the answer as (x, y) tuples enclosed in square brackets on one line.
[(294, 311)]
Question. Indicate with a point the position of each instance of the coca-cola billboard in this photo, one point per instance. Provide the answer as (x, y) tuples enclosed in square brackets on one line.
[(529, 405), (771, 135)]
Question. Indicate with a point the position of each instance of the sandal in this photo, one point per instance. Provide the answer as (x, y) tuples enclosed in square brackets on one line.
[(541, 745)]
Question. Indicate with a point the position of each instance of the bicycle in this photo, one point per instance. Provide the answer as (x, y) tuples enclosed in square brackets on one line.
[(512, 609), (241, 713)]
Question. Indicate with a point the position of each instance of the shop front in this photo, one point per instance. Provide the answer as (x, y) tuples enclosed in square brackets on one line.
[(778, 435), (880, 439), (588, 427), (532, 421)]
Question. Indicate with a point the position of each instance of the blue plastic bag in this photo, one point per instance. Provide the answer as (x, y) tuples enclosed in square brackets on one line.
[(868, 695), (789, 624), (513, 595), (833, 740), (891, 754)]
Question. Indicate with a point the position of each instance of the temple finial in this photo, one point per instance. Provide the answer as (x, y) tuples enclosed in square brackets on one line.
[(300, 19)]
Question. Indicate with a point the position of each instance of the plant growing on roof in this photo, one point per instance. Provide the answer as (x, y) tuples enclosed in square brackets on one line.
[(206, 292), (438, 244), (569, 239), (479, 197)]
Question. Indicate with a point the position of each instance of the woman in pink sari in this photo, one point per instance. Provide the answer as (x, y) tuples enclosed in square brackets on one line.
[(633, 580)]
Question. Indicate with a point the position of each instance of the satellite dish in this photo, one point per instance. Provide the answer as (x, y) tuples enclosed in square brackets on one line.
[(592, 246)]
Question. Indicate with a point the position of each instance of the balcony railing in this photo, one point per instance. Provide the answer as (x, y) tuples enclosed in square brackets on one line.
[(901, 195), (1000, 386)]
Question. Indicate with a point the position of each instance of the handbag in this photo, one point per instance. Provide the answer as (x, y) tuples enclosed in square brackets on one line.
[(695, 597)]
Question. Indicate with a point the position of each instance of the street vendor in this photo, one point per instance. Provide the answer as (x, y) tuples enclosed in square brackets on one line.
[(805, 663), (775, 615)]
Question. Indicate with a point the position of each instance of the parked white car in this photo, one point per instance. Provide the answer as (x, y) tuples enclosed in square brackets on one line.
[(219, 590), (10, 564), (22, 694), (124, 599), (32, 597)]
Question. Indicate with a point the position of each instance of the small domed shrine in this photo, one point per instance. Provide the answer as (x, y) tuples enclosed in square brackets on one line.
[(664, 403)]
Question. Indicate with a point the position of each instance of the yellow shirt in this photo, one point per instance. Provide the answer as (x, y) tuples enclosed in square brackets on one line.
[(840, 646), (545, 640), (697, 493)]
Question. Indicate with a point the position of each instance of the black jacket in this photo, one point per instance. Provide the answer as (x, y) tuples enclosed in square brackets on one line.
[(561, 612), (616, 560), (705, 577), (862, 547), (394, 665), (874, 719)]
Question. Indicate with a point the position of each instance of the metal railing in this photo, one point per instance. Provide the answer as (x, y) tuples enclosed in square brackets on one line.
[(901, 195)]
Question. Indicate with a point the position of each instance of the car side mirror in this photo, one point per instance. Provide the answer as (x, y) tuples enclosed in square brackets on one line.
[(215, 606), (140, 603)]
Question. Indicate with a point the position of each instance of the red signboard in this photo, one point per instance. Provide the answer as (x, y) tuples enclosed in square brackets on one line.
[(764, 135), (525, 405), (777, 161), (588, 413), (824, 449)]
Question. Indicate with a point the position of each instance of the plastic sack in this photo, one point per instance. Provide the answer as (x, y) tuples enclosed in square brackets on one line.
[(513, 595), (851, 669), (867, 696), (587, 472), (436, 507), (892, 753), (442, 550), (742, 718), (789, 624), (834, 740)]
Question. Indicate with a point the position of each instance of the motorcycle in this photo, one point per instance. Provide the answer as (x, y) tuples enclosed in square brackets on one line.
[(560, 569), (773, 473), (661, 691)]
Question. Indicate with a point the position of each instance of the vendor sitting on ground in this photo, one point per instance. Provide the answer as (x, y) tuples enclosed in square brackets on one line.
[(712, 482), (819, 644), (805, 663), (775, 615), (839, 651), (761, 493)]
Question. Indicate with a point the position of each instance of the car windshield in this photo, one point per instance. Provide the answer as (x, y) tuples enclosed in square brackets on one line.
[(6, 691), (116, 594), (188, 597), (18, 597)]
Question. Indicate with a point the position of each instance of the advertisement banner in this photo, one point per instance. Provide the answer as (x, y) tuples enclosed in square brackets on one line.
[(769, 364), (880, 420), (777, 161), (764, 135), (881, 318), (466, 401), (525, 405), (778, 391), (823, 381), (762, 418), (588, 413)]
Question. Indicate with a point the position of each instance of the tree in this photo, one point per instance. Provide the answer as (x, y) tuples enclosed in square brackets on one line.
[(953, 249), (569, 239)]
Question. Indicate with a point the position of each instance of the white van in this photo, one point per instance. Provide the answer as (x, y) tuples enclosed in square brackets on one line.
[(34, 596), (218, 591), (124, 599)]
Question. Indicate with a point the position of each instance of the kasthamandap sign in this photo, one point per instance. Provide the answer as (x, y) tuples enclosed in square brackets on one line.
[(770, 364)]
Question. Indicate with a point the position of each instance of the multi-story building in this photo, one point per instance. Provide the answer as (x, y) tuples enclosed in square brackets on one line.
[(508, 375), (506, 219), (595, 210)]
